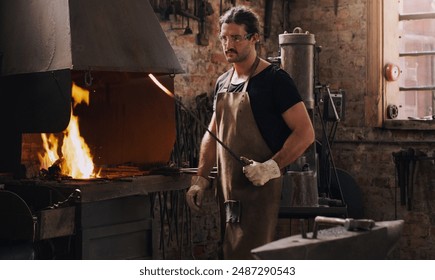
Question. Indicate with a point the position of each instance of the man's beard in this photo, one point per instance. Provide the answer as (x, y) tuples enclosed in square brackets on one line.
[(234, 56)]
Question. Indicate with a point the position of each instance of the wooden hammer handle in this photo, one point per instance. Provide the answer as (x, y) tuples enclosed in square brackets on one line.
[(329, 220)]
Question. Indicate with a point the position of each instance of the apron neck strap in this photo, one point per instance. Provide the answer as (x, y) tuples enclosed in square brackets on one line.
[(245, 86)]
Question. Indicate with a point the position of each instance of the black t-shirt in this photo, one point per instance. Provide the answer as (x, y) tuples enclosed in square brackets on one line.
[(271, 93)]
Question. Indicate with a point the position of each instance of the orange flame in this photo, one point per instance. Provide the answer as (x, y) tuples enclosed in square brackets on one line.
[(76, 156), (50, 145), (162, 87)]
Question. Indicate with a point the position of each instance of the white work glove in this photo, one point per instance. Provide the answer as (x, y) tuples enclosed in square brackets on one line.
[(260, 173), (195, 194)]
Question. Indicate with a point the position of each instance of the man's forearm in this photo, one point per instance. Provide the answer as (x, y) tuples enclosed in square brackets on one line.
[(293, 148), (207, 155)]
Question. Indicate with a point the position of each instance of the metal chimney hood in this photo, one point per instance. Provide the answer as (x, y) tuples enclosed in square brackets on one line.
[(46, 45), (89, 35)]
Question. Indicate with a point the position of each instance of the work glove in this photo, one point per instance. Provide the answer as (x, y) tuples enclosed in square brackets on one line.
[(260, 173), (195, 194)]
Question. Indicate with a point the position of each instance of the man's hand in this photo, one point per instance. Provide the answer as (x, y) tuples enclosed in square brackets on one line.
[(195, 194), (260, 173)]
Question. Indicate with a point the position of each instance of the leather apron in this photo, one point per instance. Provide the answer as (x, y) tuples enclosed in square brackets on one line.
[(259, 206)]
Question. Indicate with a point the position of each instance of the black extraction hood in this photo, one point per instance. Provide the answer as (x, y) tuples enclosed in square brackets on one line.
[(46, 45), (96, 35)]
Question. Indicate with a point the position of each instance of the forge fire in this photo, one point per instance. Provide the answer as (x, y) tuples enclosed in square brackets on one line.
[(75, 159)]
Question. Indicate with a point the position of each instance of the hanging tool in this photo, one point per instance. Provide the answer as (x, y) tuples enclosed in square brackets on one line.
[(410, 177), (415, 156), (335, 7), (243, 161), (407, 164), (268, 18), (204, 9), (401, 162)]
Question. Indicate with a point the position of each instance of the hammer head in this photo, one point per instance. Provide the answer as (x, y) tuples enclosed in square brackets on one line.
[(359, 224)]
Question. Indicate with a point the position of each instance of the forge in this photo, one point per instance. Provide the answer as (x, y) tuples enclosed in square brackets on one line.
[(129, 126)]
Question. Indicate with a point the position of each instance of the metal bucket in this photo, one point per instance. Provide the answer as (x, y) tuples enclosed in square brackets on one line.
[(297, 59), (300, 189)]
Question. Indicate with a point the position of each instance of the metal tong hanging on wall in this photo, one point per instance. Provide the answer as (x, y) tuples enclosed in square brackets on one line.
[(407, 162)]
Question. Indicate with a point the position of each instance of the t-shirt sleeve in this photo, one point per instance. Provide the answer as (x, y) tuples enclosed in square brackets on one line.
[(285, 91)]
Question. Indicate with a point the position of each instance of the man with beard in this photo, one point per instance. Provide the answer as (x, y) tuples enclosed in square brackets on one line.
[(258, 114)]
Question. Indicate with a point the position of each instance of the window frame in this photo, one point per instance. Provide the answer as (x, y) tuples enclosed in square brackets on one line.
[(378, 41)]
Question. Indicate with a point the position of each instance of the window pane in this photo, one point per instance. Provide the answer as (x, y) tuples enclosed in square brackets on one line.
[(415, 98), (417, 35), (415, 104), (417, 71), (417, 6)]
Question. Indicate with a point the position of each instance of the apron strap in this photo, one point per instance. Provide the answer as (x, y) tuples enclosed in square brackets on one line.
[(254, 67), (245, 86), (228, 81)]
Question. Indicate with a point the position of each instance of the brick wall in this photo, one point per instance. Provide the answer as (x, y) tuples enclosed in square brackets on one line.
[(364, 151)]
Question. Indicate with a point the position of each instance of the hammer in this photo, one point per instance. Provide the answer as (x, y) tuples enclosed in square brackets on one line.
[(349, 224)]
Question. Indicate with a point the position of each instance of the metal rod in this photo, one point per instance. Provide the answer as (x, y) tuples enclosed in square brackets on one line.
[(337, 118), (167, 91), (424, 53), (329, 150), (421, 88), (417, 16)]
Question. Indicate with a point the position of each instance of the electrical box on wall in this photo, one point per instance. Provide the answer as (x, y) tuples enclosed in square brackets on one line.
[(337, 101)]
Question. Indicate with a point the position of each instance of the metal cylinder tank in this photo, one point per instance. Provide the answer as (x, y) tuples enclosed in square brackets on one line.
[(297, 59)]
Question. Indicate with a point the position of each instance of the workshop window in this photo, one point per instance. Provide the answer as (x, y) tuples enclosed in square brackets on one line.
[(409, 64)]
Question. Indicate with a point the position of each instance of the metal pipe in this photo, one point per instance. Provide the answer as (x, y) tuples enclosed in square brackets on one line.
[(417, 88), (416, 16)]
